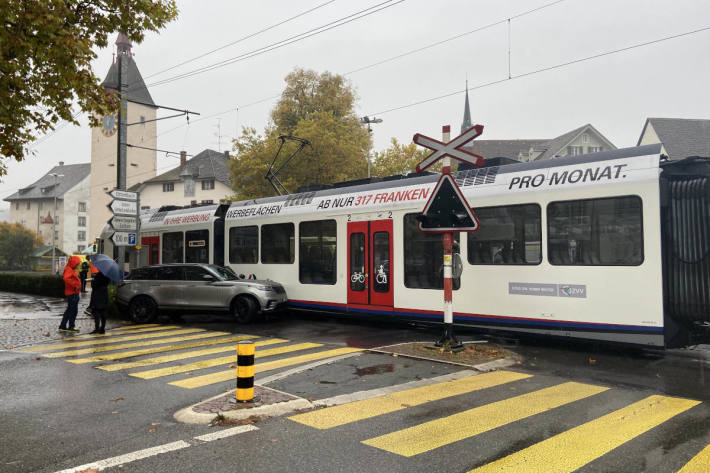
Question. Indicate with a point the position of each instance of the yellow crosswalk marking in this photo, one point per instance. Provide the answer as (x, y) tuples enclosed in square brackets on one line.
[(224, 360), (699, 464), (121, 346), (571, 450), (367, 408), (123, 331), (163, 349), (180, 356), (434, 434), (105, 341), (227, 375)]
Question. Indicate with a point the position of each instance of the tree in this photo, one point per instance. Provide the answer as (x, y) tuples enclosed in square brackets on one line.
[(46, 48), (316, 107), (16, 246), (398, 159)]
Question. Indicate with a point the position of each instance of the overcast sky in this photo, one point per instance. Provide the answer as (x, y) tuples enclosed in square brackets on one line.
[(615, 93)]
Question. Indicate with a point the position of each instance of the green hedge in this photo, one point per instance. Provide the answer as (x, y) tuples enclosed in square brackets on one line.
[(50, 285)]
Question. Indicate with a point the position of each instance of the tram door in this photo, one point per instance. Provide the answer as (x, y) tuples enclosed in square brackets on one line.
[(151, 246), (370, 263)]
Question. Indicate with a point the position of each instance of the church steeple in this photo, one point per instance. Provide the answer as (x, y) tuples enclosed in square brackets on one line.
[(123, 45), (466, 124)]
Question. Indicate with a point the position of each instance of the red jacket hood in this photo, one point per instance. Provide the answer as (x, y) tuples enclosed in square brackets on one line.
[(74, 261)]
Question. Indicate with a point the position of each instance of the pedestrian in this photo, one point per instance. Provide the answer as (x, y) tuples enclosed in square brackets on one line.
[(72, 287), (99, 301), (83, 273)]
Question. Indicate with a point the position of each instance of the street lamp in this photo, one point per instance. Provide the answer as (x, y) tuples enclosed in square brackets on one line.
[(54, 218), (368, 121)]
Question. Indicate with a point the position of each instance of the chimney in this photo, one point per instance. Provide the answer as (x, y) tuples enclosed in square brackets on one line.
[(183, 159), (61, 163), (226, 155)]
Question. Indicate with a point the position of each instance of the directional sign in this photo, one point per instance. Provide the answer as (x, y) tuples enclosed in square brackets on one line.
[(123, 207), (452, 148), (123, 195), (123, 239), (126, 224), (447, 209)]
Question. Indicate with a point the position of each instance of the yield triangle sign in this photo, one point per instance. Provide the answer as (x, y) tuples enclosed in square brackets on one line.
[(447, 209)]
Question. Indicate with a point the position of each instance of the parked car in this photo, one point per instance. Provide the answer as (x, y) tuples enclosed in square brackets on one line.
[(196, 287)]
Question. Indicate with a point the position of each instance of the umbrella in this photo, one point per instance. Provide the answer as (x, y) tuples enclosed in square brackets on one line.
[(107, 267)]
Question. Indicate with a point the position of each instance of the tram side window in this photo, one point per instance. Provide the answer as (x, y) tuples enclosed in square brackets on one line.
[(509, 234), (198, 246), (317, 245), (595, 232), (277, 243), (244, 245), (172, 247), (424, 257)]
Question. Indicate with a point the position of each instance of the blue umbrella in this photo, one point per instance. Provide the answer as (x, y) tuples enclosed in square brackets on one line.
[(107, 267)]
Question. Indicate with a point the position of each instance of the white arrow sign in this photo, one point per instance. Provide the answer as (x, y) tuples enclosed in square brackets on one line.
[(123, 239), (123, 207), (129, 224), (123, 195)]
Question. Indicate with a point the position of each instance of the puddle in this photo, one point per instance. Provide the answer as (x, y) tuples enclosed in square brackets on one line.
[(375, 369)]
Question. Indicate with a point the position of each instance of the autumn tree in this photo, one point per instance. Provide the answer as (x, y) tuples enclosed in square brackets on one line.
[(46, 49), (319, 108), (398, 159), (16, 246)]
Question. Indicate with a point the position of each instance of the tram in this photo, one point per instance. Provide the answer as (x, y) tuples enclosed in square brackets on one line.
[(610, 246)]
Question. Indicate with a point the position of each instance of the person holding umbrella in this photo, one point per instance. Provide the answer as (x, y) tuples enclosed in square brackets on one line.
[(107, 271)]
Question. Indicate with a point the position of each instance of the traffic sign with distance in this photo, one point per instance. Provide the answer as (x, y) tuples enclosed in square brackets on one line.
[(125, 224), (123, 207), (123, 195), (123, 239)]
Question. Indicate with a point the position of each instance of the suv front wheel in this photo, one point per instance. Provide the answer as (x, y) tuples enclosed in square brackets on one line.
[(244, 309), (143, 310)]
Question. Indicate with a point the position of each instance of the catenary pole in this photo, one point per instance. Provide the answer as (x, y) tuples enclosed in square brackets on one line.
[(122, 136)]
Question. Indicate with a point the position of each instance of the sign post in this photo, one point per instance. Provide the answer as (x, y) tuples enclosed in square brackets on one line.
[(447, 211)]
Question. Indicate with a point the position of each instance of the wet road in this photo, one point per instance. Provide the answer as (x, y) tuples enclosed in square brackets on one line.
[(61, 412)]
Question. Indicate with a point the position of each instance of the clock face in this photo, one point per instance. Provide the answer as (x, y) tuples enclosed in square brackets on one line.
[(108, 125)]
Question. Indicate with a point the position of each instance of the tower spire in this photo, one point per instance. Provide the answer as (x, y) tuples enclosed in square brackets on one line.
[(123, 44), (466, 124)]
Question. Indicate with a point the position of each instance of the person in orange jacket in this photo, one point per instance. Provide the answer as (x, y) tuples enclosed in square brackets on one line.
[(72, 287)]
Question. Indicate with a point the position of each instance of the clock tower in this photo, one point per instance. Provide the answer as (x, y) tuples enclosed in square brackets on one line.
[(142, 131)]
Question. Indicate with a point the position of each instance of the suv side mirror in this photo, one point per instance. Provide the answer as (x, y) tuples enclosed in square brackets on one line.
[(208, 277)]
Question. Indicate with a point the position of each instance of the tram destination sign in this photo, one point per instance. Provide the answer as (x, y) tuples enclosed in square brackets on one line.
[(123, 195), (125, 224), (123, 207)]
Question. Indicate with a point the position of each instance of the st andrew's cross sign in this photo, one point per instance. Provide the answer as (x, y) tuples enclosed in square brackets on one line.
[(452, 148)]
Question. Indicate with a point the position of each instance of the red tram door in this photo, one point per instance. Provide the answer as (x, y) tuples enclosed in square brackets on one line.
[(370, 263), (152, 246)]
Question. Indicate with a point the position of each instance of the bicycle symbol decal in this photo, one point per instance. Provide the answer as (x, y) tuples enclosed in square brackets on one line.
[(357, 277)]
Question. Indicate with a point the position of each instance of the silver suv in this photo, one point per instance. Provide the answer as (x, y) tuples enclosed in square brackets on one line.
[(196, 288)]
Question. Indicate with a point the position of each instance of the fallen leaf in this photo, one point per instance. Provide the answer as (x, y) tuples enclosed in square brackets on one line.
[(274, 440), (152, 430), (117, 399), (592, 361), (114, 412), (155, 423), (89, 470), (47, 334), (232, 366), (395, 355), (38, 358), (406, 405), (10, 347)]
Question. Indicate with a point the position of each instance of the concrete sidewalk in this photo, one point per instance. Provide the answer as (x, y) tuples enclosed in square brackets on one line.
[(27, 319)]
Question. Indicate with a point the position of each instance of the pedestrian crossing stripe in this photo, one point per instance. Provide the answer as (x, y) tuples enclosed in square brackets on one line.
[(700, 463), (346, 413), (205, 380), (124, 331), (121, 346), (106, 341), (434, 434), (225, 360), (179, 356), (591, 440), (162, 349)]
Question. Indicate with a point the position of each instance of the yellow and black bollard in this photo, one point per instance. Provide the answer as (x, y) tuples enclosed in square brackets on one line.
[(245, 372)]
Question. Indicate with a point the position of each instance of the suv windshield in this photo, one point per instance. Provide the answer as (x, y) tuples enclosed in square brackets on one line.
[(225, 274)]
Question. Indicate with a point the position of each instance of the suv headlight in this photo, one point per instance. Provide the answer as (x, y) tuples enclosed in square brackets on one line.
[(261, 287)]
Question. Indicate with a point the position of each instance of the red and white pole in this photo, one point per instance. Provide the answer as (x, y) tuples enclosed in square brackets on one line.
[(448, 340)]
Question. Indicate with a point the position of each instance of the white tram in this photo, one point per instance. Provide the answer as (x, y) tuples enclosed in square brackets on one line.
[(610, 246)]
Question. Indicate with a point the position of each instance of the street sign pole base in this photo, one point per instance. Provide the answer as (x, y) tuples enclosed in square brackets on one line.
[(448, 341), (253, 400)]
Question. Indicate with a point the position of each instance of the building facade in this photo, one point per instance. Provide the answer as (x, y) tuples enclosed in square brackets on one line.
[(680, 137), (67, 225), (142, 133)]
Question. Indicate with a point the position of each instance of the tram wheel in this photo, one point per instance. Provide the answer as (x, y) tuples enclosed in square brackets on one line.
[(244, 309), (143, 310)]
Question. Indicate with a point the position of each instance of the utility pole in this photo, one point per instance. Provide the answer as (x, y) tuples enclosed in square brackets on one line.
[(54, 220), (368, 121), (122, 135)]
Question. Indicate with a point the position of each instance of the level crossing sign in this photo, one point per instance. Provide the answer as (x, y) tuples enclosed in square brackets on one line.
[(447, 210), (452, 148)]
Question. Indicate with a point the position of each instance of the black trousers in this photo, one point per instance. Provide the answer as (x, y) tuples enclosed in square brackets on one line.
[(99, 318), (83, 282)]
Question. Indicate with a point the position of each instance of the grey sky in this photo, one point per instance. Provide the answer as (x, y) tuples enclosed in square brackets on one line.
[(615, 93)]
